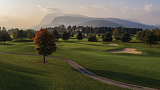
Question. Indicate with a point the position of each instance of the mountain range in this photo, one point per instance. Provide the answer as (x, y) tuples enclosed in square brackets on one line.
[(52, 20)]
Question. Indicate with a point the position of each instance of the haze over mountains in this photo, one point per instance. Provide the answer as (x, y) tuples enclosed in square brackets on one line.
[(56, 19)]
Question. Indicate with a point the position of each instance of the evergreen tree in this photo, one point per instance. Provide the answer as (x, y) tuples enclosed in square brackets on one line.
[(4, 36), (21, 34), (65, 36), (150, 38), (126, 37), (79, 36), (56, 34)]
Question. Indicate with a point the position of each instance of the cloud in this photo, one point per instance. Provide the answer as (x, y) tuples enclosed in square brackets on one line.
[(94, 7), (125, 9), (148, 8), (49, 9)]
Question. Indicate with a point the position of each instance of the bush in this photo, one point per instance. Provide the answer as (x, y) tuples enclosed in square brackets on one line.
[(92, 38), (107, 37), (126, 37), (117, 38)]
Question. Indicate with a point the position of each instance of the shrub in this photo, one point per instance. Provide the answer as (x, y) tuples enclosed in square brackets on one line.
[(107, 37), (126, 37), (92, 38)]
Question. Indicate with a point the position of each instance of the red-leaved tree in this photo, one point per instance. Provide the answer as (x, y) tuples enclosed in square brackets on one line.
[(45, 43)]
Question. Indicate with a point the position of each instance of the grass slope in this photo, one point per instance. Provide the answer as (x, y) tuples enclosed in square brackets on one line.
[(20, 72), (140, 69)]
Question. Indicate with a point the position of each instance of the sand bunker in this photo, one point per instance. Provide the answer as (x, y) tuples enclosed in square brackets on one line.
[(126, 50), (112, 44)]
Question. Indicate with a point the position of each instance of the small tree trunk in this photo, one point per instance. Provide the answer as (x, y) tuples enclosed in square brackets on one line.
[(150, 45), (44, 58), (4, 42)]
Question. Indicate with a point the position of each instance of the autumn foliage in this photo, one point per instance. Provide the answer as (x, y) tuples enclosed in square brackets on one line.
[(45, 43)]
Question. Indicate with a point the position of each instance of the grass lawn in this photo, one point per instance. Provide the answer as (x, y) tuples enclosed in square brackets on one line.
[(143, 69), (20, 72)]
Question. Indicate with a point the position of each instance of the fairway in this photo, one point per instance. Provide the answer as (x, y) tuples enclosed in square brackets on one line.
[(141, 69)]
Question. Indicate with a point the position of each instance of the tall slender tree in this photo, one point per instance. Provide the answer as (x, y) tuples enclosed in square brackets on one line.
[(79, 36)]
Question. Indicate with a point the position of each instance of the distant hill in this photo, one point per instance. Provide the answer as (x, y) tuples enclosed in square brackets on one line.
[(52, 20), (157, 26), (49, 18), (100, 23)]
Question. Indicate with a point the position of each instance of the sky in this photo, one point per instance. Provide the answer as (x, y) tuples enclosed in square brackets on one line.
[(28, 13)]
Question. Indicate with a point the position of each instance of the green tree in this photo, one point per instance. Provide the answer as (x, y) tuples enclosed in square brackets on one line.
[(116, 32), (45, 43), (92, 38), (21, 34), (30, 34), (4, 36), (15, 33), (65, 36), (79, 36), (107, 37), (150, 38), (56, 34), (74, 28), (126, 37)]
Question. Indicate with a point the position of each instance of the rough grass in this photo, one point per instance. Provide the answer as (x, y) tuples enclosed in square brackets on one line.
[(140, 69), (20, 72)]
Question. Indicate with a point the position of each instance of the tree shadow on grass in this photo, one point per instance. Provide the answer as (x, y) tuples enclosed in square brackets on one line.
[(22, 40), (14, 77), (7, 44), (128, 78), (134, 42)]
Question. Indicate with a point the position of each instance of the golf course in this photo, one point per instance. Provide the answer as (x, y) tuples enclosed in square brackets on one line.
[(28, 73)]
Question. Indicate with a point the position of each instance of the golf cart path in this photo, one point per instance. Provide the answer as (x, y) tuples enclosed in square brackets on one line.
[(94, 76)]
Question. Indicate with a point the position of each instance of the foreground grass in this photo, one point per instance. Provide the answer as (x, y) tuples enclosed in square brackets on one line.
[(140, 69), (20, 72)]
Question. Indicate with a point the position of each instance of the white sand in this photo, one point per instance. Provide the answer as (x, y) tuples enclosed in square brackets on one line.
[(112, 44), (126, 50)]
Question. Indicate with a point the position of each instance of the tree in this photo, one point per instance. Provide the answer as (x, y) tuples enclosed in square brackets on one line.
[(150, 38), (45, 43), (4, 36), (116, 32), (15, 33), (69, 34), (21, 34), (79, 36), (108, 37), (74, 28), (126, 37), (65, 36), (92, 38), (30, 34), (56, 34)]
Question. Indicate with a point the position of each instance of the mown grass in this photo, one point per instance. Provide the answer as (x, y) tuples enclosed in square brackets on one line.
[(140, 69), (19, 72)]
